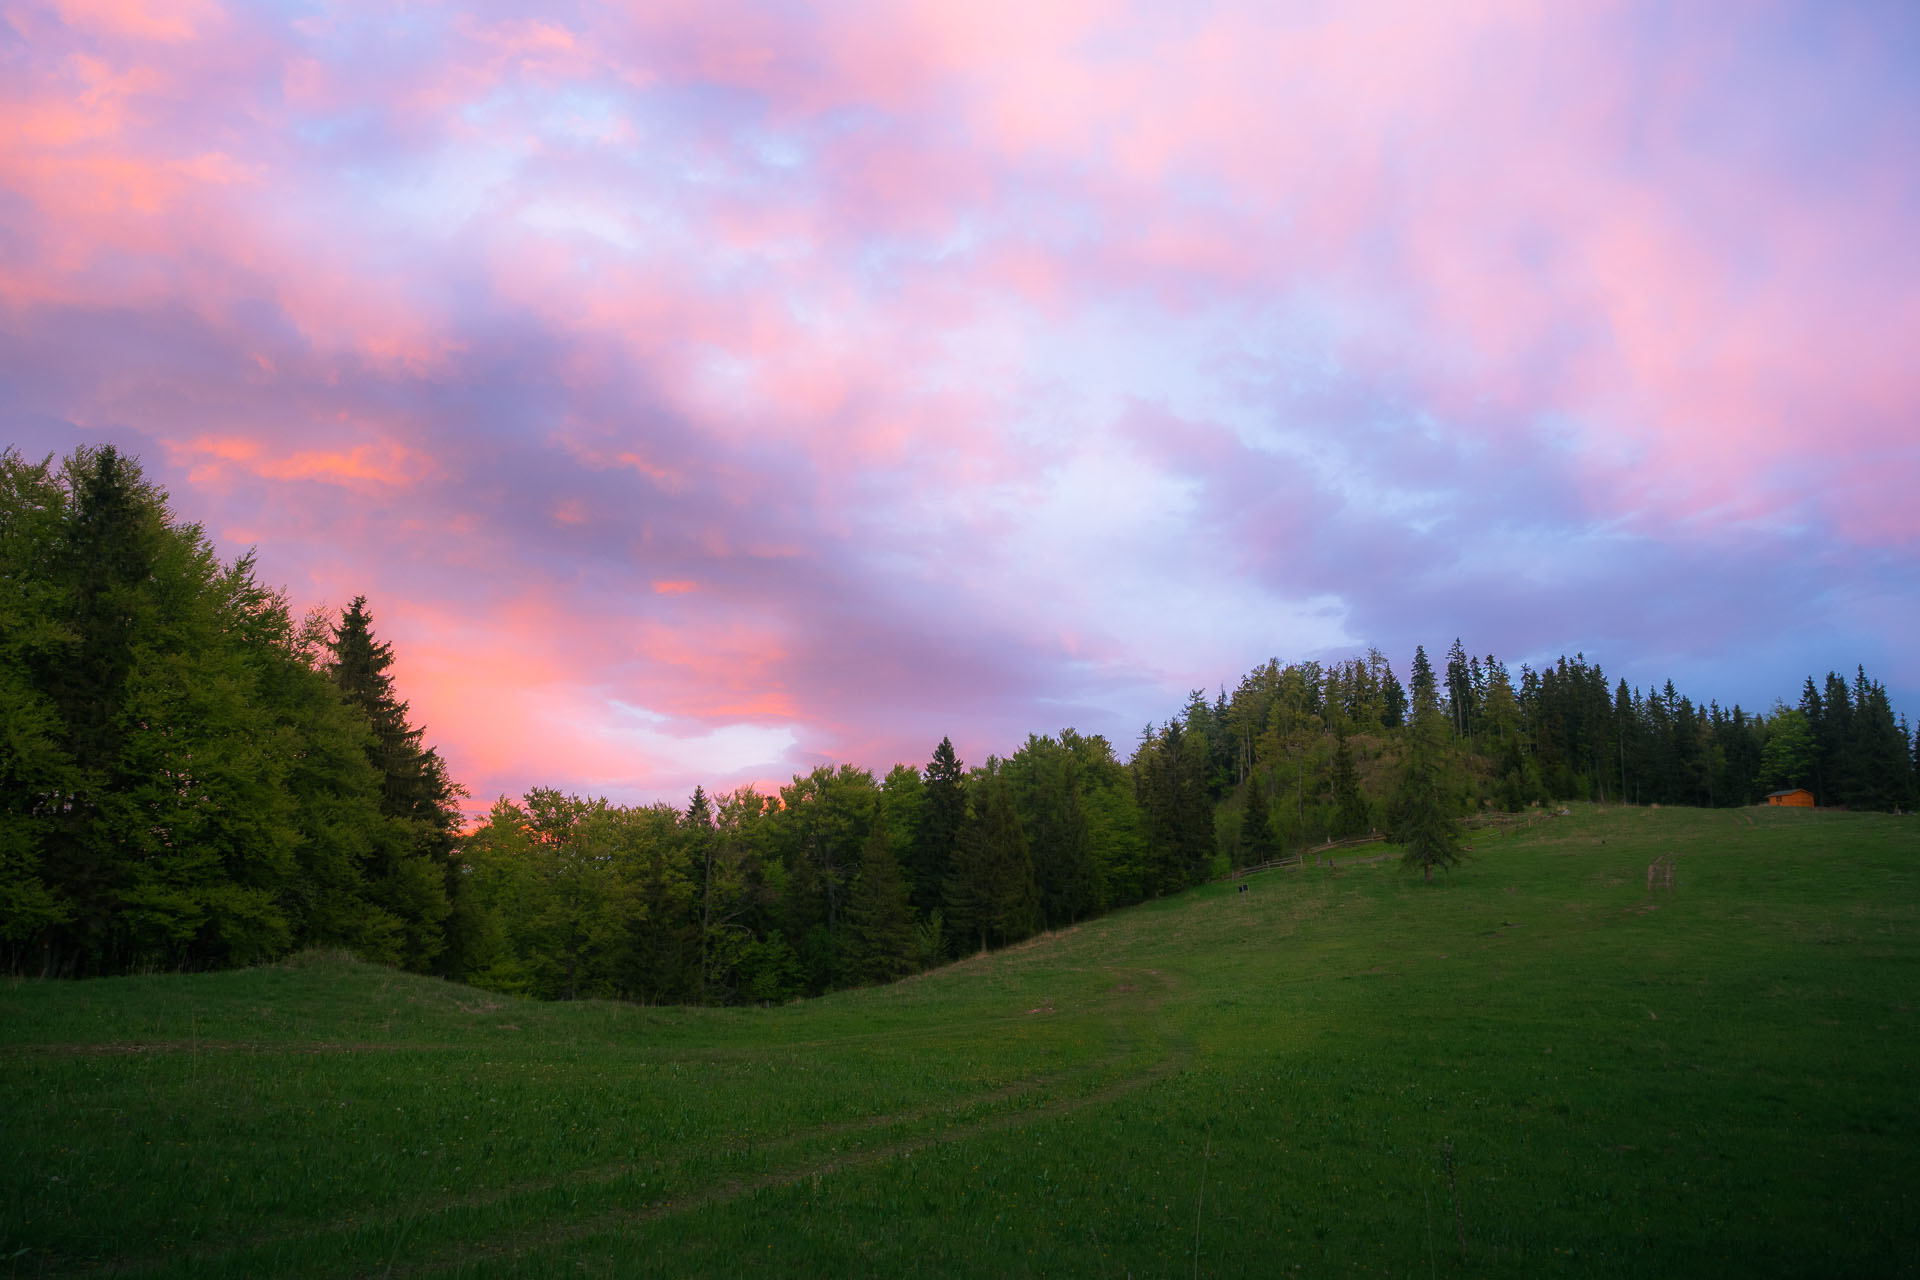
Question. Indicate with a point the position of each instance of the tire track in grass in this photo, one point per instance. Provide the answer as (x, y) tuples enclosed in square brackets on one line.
[(513, 1245), (1123, 1013)]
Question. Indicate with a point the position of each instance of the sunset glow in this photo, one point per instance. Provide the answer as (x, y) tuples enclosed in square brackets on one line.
[(702, 391)]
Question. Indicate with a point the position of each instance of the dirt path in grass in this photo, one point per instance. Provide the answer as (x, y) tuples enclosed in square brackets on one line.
[(513, 1244), (1131, 1005), (224, 1046)]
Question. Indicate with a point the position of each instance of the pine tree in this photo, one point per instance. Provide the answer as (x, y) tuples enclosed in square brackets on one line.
[(880, 935)]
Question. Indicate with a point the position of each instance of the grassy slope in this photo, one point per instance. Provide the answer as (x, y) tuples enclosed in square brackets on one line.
[(1716, 1079)]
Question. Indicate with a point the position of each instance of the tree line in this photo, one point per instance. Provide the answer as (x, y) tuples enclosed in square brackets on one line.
[(192, 778), (189, 777)]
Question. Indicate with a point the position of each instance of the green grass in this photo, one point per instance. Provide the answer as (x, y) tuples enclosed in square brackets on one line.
[(1718, 1079)]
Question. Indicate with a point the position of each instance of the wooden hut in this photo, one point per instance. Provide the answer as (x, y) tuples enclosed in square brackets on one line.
[(1798, 797)]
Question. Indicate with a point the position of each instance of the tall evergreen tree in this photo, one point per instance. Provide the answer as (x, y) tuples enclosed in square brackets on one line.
[(414, 782), (1424, 690), (410, 865), (1876, 750), (1833, 732), (1394, 701), (880, 936), (1460, 691), (942, 812)]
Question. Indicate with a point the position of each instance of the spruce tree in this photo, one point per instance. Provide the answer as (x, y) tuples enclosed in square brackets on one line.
[(880, 936), (1423, 683), (409, 865), (1393, 701), (943, 810), (414, 782), (1877, 749)]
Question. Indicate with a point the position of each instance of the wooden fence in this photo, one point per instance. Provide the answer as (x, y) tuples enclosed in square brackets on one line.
[(1328, 849)]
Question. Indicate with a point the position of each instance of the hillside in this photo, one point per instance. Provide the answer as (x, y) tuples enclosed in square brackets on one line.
[(1640, 1082)]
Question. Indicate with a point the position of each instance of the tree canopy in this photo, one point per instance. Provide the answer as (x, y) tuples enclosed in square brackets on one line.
[(191, 779)]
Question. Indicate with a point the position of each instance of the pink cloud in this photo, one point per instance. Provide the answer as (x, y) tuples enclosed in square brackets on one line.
[(161, 21), (736, 363)]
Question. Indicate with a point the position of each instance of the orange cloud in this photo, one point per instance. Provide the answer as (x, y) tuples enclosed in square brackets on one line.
[(385, 465)]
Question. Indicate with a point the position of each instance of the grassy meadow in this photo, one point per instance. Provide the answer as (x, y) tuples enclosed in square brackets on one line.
[(1534, 1065)]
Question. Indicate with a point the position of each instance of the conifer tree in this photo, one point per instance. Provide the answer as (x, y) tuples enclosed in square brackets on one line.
[(943, 809), (1393, 701), (1876, 752), (1424, 693), (410, 864), (414, 782), (880, 943), (1460, 690)]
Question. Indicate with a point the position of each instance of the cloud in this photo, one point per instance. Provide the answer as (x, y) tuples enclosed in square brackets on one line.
[(702, 391)]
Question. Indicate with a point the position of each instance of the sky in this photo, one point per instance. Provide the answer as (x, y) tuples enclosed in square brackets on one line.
[(702, 390)]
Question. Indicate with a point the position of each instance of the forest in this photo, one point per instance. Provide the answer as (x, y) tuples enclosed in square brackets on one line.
[(192, 777)]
